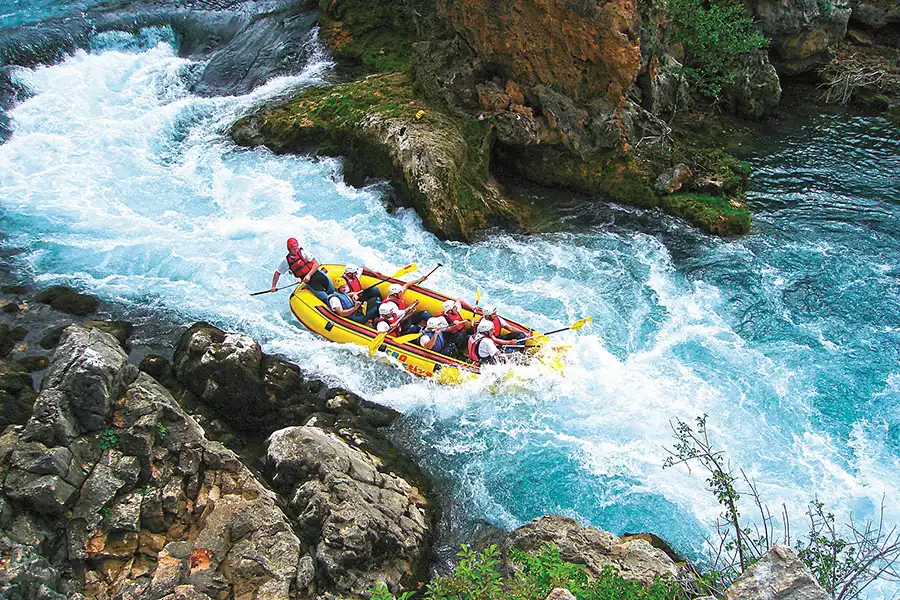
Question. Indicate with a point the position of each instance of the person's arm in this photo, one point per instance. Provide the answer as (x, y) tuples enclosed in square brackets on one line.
[(340, 310), (427, 341), (312, 269), (466, 305), (406, 286), (275, 280), (409, 311)]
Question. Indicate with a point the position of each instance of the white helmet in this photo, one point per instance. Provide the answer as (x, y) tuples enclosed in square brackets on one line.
[(395, 288), (490, 309), (387, 308), (351, 268), (435, 323), (485, 326), (450, 305)]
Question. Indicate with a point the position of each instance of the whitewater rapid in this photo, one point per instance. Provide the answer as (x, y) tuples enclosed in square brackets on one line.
[(118, 181)]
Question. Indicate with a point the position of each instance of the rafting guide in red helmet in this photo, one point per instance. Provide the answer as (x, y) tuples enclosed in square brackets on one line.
[(306, 268)]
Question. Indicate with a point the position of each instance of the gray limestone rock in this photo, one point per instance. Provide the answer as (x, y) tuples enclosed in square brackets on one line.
[(778, 575), (594, 548), (367, 524), (756, 90)]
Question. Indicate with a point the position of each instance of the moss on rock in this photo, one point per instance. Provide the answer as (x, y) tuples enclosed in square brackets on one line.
[(439, 162), (714, 214)]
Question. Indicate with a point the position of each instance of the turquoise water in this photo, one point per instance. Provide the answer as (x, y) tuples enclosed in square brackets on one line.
[(119, 182)]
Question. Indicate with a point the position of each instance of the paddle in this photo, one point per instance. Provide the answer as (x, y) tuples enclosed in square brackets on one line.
[(404, 271), (284, 287), (574, 327)]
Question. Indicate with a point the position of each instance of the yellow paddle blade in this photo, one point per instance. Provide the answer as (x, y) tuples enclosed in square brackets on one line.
[(404, 339), (405, 270), (579, 324), (537, 340), (375, 344), (477, 295)]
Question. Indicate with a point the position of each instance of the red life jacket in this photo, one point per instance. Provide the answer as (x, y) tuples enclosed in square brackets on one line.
[(299, 265), (454, 320), (398, 300), (495, 321), (474, 342), (391, 321), (354, 283)]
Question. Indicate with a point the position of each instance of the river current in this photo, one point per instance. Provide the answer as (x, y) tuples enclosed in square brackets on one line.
[(119, 182)]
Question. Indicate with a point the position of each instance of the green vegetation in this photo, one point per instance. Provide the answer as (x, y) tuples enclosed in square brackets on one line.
[(161, 432), (477, 576), (714, 214), (716, 36), (109, 439), (378, 36), (843, 563)]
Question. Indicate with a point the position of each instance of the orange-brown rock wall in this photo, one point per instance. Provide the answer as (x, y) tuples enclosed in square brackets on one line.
[(587, 50)]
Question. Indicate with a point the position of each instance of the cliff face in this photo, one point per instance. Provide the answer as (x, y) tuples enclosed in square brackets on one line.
[(586, 50)]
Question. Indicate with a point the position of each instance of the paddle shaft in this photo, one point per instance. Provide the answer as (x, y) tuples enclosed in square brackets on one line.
[(284, 287)]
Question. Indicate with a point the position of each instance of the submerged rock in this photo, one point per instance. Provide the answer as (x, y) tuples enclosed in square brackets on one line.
[(68, 300)]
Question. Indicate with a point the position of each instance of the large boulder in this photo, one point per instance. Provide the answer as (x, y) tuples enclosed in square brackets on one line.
[(875, 14), (635, 558), (756, 90), (367, 524), (778, 575), (88, 372), (802, 31)]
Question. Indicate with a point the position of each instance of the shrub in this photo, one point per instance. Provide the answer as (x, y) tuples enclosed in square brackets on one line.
[(477, 577), (715, 40), (844, 563)]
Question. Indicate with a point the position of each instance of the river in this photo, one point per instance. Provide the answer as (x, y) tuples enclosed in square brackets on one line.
[(119, 182)]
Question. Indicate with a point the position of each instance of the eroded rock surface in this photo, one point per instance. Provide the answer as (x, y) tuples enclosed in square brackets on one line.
[(366, 523), (634, 558), (778, 575)]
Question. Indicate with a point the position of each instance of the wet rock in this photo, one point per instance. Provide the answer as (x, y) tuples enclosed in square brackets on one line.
[(86, 375), (366, 523), (802, 31), (664, 88), (670, 181), (16, 394), (778, 575), (635, 558), (34, 363), (756, 90), (9, 337), (121, 330), (157, 367), (859, 37), (9, 307), (25, 574), (68, 300), (51, 338)]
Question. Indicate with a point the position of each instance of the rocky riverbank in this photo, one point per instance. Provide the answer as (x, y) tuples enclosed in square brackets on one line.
[(590, 98), (226, 473)]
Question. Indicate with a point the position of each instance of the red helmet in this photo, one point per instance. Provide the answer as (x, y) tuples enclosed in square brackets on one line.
[(292, 243)]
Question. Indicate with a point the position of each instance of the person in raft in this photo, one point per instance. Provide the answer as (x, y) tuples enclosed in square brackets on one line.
[(433, 338), (458, 330), (371, 295), (416, 320), (346, 304), (482, 348), (516, 333), (390, 318), (305, 268)]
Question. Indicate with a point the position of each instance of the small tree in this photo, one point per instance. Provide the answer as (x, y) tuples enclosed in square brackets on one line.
[(716, 36), (844, 566)]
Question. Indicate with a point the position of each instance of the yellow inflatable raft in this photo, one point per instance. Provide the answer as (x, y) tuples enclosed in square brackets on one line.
[(319, 318)]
